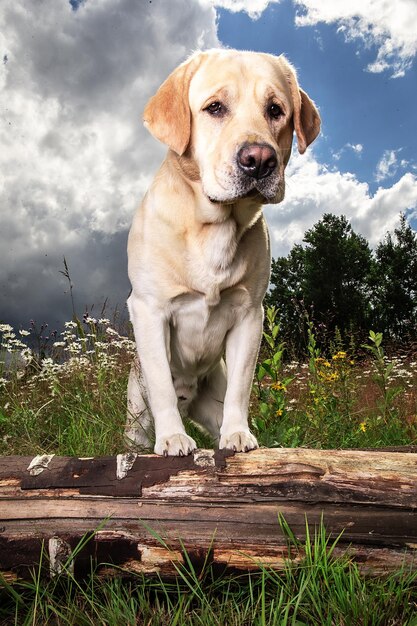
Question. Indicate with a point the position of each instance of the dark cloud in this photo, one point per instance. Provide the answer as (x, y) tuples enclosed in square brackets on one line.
[(75, 158)]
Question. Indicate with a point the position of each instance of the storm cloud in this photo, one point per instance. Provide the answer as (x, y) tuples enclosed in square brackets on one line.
[(75, 159)]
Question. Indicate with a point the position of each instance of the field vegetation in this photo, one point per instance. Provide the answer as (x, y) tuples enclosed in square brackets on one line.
[(323, 386)]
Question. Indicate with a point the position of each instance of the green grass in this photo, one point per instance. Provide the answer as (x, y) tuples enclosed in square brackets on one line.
[(320, 590), (72, 402)]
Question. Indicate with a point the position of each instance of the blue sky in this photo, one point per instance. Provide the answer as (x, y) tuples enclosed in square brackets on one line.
[(76, 159)]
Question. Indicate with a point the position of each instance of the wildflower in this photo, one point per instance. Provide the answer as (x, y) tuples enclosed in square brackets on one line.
[(24, 333), (332, 377), (279, 412), (70, 325), (27, 355), (278, 386), (339, 356), (321, 361), (362, 426), (329, 378), (111, 331)]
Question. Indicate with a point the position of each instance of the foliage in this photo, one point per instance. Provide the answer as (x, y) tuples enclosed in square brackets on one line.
[(271, 385), (73, 400), (382, 376), (335, 399), (394, 284), (69, 398), (336, 279)]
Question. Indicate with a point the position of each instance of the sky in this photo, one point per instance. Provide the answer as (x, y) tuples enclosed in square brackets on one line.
[(75, 159)]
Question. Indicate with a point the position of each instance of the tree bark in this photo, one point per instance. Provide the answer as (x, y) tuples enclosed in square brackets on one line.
[(139, 513)]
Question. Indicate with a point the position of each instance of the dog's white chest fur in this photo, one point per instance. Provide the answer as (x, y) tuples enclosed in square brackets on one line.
[(201, 319), (198, 330), (214, 262)]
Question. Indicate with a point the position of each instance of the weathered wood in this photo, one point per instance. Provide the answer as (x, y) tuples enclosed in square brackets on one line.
[(142, 511)]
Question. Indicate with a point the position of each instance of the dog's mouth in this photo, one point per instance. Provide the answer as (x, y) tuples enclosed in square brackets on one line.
[(264, 191), (253, 193)]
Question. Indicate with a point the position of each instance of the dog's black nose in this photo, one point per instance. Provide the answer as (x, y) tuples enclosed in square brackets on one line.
[(257, 160)]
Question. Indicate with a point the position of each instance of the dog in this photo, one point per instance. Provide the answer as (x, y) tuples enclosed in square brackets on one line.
[(198, 249)]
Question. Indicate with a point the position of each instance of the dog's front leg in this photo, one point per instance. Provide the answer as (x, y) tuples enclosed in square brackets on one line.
[(151, 330), (242, 346)]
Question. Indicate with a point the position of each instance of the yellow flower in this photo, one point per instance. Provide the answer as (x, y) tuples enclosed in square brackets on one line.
[(279, 413), (362, 426), (329, 378), (278, 386), (339, 356)]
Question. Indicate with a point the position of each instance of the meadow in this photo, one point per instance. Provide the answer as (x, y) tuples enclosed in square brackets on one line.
[(66, 395)]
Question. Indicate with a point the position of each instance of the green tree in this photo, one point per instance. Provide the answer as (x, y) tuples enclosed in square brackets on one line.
[(394, 284), (326, 278), (338, 263), (287, 281)]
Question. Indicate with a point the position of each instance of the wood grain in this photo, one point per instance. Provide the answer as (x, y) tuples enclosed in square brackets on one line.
[(141, 512)]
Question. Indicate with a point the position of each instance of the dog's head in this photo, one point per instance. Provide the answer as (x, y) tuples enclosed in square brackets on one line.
[(230, 117)]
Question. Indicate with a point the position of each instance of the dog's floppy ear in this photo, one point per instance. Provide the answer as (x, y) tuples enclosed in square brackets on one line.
[(306, 122), (167, 115), (306, 116)]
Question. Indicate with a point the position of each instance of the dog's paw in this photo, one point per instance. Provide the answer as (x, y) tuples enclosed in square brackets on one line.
[(241, 441), (175, 445)]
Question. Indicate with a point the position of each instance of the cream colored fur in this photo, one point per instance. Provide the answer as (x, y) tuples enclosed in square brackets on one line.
[(199, 256)]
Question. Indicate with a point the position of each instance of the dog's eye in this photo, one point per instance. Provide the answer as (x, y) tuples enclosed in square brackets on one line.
[(275, 111), (216, 108)]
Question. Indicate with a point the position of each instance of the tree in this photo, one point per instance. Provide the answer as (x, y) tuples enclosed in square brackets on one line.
[(287, 279), (394, 283), (328, 276), (338, 262)]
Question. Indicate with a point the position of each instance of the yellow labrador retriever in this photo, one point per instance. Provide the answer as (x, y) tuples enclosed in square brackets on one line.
[(199, 256)]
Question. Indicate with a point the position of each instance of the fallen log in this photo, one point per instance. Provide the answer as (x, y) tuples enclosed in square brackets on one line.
[(140, 513)]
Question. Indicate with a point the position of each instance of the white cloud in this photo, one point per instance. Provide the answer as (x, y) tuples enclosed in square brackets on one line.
[(75, 158), (387, 166), (389, 26), (313, 190), (357, 148), (254, 8), (390, 163)]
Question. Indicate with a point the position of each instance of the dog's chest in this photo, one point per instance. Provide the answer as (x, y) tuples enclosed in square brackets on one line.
[(215, 262), (198, 329)]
